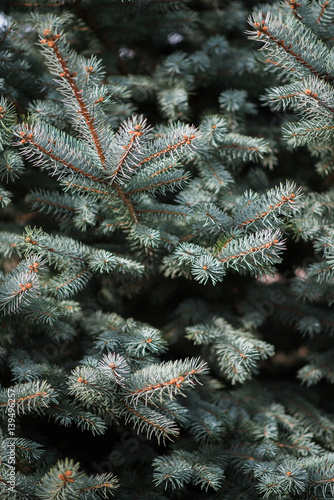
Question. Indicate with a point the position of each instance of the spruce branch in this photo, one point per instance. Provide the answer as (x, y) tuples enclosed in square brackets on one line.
[(7, 121), (213, 129), (50, 148), (176, 139), (205, 422), (308, 131), (57, 204), (205, 268), (293, 43), (17, 291), (90, 387), (320, 366), (321, 479), (115, 367), (70, 77), (176, 472), (51, 247), (67, 413), (237, 146), (68, 282), (126, 146), (25, 488), (310, 97), (151, 421), (62, 480), (184, 467), (214, 175), (235, 352), (31, 397), (11, 166), (165, 382), (99, 486), (5, 197), (243, 252), (282, 200)]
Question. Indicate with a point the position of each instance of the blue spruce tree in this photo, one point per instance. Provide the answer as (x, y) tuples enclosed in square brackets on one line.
[(166, 250)]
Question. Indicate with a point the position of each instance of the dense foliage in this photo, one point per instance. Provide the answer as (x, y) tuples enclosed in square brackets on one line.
[(166, 250)]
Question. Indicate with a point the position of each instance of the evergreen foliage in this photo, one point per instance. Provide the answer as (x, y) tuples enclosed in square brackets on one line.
[(166, 250)]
